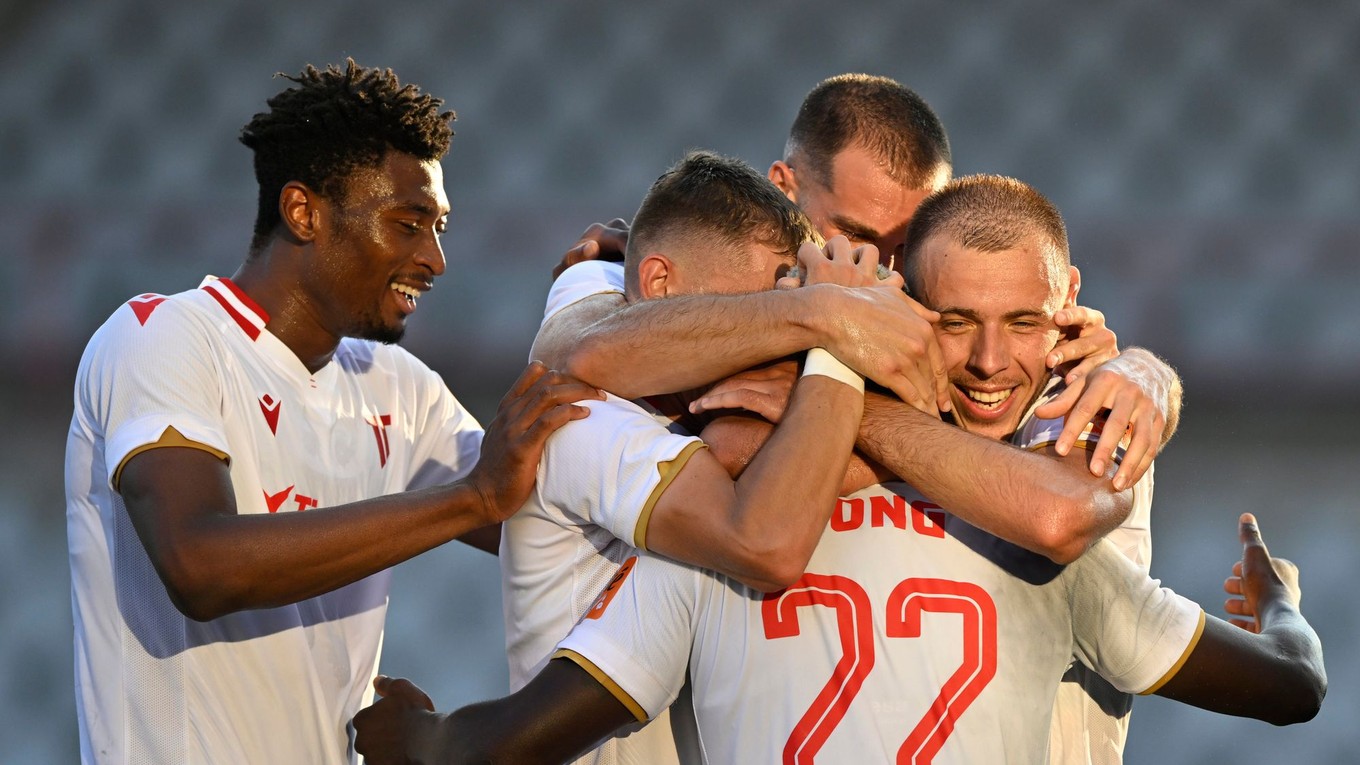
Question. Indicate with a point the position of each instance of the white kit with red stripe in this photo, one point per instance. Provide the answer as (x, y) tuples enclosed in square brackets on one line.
[(913, 638), (275, 685)]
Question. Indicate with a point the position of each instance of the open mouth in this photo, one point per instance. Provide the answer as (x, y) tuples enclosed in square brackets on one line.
[(406, 295), (986, 401)]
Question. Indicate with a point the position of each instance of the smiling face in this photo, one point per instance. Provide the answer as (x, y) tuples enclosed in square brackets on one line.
[(379, 249), (996, 325)]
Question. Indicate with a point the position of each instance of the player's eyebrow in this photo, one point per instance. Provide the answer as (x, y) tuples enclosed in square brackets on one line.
[(972, 315), (421, 208), (850, 226)]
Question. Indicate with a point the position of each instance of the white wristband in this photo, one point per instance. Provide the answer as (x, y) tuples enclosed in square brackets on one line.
[(821, 362)]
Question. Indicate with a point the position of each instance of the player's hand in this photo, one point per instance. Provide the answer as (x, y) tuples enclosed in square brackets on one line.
[(879, 331), (1087, 343), (397, 726), (839, 263), (540, 402), (1120, 391), (602, 241), (1258, 578), (764, 391)]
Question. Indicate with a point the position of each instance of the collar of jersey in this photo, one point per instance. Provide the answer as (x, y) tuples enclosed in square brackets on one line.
[(245, 312)]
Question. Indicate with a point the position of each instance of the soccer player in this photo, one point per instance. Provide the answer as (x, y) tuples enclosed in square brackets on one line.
[(862, 153), (913, 636), (247, 458), (626, 479)]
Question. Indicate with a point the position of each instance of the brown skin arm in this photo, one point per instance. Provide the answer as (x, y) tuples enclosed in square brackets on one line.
[(1276, 675), (561, 713), (214, 561)]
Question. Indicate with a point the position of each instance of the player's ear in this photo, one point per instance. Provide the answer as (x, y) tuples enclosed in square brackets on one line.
[(782, 175), (300, 209), (1073, 286), (656, 276)]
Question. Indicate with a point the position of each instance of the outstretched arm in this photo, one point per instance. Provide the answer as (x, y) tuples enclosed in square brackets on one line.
[(561, 713), (214, 561), (1274, 675)]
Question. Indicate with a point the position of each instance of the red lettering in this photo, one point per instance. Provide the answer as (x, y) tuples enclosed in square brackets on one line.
[(304, 501), (891, 507), (849, 515), (927, 519)]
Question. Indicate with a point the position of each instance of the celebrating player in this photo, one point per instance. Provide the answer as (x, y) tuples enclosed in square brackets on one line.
[(862, 153), (913, 635), (215, 620)]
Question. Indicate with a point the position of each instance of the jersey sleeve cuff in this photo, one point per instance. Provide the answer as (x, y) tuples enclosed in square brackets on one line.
[(668, 470), (1189, 649), (136, 437), (605, 680)]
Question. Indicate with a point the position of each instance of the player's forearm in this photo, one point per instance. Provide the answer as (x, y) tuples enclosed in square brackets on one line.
[(1276, 676), (560, 714), (1032, 500), (786, 495), (1158, 379), (1302, 681), (678, 343), (735, 440), (218, 563)]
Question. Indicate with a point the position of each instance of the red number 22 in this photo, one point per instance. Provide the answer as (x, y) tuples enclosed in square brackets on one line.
[(908, 600)]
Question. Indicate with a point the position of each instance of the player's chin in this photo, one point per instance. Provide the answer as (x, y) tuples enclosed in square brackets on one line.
[(386, 332)]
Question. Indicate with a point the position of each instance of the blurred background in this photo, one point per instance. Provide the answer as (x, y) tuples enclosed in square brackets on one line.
[(1206, 157)]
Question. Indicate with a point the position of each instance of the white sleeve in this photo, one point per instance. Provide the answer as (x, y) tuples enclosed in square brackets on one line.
[(448, 438), (592, 277), (609, 468), (1129, 629), (636, 639), (137, 379)]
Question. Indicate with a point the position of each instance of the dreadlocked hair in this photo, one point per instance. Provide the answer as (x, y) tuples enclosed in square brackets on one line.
[(332, 123)]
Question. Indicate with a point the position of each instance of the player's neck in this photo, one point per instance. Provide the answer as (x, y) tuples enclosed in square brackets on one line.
[(293, 318)]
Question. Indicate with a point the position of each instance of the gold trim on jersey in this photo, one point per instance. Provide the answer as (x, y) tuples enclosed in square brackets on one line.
[(600, 677), (170, 437), (668, 470), (1189, 649)]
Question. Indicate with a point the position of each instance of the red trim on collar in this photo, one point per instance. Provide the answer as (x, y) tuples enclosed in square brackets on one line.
[(238, 305)]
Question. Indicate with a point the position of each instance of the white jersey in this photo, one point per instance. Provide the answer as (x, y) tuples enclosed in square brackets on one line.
[(276, 685), (913, 637), (597, 482), (1091, 716)]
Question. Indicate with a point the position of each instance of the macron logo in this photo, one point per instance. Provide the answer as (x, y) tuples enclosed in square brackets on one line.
[(275, 501), (143, 305), (269, 406)]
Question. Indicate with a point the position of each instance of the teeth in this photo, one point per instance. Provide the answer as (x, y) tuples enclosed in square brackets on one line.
[(988, 399), (411, 293)]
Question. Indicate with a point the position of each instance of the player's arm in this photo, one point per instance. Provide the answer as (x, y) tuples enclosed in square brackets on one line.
[(1276, 675), (1045, 502), (214, 561), (650, 347), (762, 528), (561, 713)]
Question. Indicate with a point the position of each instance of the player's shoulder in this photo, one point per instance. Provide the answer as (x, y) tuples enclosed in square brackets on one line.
[(166, 320), (584, 280)]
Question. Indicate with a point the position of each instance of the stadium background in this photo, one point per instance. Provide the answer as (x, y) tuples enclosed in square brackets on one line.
[(1205, 156)]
